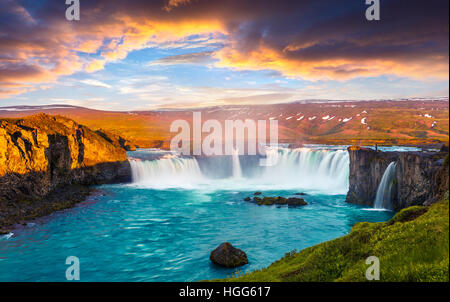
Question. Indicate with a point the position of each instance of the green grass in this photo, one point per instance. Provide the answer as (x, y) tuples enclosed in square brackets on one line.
[(412, 246)]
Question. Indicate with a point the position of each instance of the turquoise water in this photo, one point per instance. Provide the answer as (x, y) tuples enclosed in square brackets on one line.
[(141, 233), (131, 234)]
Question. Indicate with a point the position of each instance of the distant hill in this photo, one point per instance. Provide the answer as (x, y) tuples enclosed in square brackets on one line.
[(417, 121)]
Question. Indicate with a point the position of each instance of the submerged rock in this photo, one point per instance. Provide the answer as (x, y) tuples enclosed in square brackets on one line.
[(247, 199), (228, 256), (257, 193)]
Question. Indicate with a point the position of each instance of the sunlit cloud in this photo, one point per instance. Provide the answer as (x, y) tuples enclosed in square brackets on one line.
[(38, 46)]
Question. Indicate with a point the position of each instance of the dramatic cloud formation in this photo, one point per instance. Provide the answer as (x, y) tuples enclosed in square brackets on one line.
[(313, 40)]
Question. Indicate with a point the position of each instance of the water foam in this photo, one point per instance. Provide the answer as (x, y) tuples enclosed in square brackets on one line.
[(307, 169), (384, 192)]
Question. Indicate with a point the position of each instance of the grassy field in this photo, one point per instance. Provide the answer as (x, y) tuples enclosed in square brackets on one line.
[(412, 246)]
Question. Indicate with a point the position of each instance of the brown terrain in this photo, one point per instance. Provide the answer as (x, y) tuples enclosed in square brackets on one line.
[(404, 122), (48, 162)]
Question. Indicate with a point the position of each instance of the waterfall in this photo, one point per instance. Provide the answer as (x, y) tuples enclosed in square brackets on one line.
[(237, 172), (310, 168), (305, 169), (168, 171), (384, 192)]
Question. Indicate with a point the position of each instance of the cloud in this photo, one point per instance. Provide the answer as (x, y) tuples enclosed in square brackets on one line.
[(171, 4), (97, 83), (311, 40), (191, 58)]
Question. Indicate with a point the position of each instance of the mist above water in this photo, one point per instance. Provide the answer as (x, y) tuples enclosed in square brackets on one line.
[(307, 169)]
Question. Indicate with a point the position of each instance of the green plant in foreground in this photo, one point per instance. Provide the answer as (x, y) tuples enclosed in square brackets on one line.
[(412, 246)]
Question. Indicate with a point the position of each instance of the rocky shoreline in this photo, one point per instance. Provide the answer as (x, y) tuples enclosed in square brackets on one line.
[(48, 163)]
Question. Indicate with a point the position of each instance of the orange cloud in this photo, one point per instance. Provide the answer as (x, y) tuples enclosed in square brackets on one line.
[(51, 58), (265, 58), (175, 3), (278, 36)]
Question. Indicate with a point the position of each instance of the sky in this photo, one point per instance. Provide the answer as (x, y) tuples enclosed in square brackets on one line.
[(143, 55)]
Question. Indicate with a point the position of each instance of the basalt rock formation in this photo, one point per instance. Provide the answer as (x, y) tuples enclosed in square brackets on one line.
[(47, 162), (420, 177)]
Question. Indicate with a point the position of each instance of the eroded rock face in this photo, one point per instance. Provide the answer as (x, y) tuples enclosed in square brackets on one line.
[(228, 256), (421, 178), (116, 140), (41, 153), (367, 167)]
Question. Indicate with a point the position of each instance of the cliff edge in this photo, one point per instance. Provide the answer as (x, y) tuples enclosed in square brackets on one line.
[(421, 178), (47, 162)]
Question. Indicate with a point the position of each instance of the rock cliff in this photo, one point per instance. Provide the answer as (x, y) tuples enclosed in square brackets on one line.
[(117, 140), (43, 157), (421, 177)]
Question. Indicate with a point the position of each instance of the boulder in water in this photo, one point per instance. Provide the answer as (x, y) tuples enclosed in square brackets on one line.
[(294, 202), (257, 199), (269, 200), (247, 199), (228, 256), (257, 193), (281, 200)]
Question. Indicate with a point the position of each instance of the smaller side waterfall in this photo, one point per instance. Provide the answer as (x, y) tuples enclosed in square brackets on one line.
[(384, 192), (237, 172)]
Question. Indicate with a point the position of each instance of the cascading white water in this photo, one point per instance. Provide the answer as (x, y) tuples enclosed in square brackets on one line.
[(315, 169), (309, 169), (384, 192), (169, 171), (237, 172)]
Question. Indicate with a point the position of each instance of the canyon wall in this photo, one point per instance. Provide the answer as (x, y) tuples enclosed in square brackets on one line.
[(421, 177), (50, 158)]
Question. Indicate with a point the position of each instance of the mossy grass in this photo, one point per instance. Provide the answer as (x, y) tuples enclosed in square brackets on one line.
[(412, 246)]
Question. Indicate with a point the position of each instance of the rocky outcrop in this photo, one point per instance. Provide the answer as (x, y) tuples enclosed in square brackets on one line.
[(228, 256), (43, 155), (117, 140), (421, 177), (279, 200)]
